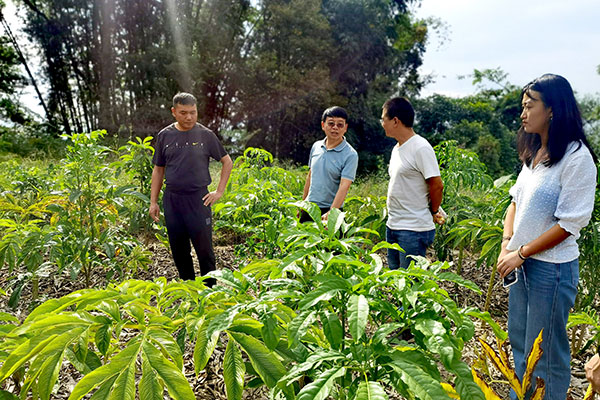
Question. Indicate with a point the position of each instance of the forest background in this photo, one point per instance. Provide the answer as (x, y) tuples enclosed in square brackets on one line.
[(263, 72)]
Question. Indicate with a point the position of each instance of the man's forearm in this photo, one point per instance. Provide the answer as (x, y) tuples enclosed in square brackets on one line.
[(306, 186), (341, 194), (226, 168), (158, 174), (436, 192)]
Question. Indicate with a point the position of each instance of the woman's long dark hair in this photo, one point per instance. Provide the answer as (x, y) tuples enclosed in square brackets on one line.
[(566, 125)]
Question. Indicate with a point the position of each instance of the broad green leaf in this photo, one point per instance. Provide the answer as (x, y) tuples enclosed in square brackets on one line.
[(48, 375), (299, 326), (4, 395), (325, 291), (204, 346), (149, 388), (108, 371), (176, 383), (22, 354), (167, 344), (419, 383), (233, 371), (124, 386), (271, 333), (52, 357), (316, 358), (332, 328), (459, 280), (464, 384), (358, 315), (266, 363), (102, 339), (6, 317), (370, 391), (319, 389), (335, 219), (486, 317)]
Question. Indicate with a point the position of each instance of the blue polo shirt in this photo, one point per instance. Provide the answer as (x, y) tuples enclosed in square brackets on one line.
[(327, 168)]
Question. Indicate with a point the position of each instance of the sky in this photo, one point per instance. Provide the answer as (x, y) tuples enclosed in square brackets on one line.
[(525, 38)]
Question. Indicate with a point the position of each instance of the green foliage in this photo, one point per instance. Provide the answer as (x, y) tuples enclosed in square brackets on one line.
[(135, 161), (65, 218), (589, 247), (325, 320), (256, 201), (582, 322), (485, 122)]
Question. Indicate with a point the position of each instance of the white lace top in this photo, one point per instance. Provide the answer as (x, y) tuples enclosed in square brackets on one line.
[(545, 196)]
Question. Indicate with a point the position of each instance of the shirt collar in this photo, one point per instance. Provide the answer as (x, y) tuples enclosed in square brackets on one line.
[(338, 148)]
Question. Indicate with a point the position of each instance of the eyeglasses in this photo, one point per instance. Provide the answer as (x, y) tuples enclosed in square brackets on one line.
[(339, 125)]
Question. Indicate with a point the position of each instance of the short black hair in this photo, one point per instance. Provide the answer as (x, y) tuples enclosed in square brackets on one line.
[(400, 107), (185, 99), (335, 112)]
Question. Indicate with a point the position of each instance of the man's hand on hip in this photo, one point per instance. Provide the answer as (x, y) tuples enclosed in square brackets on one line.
[(211, 198)]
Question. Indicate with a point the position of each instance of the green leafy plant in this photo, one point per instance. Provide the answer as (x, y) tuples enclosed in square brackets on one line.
[(135, 161)]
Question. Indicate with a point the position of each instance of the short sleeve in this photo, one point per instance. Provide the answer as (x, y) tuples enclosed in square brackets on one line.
[(217, 151), (312, 150), (427, 162), (349, 170), (578, 189), (158, 158)]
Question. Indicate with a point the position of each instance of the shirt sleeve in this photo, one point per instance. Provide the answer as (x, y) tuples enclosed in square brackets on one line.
[(158, 158), (217, 151), (578, 189), (312, 149), (427, 162), (349, 170)]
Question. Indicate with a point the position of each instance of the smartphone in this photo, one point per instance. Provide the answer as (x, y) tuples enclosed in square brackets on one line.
[(510, 279)]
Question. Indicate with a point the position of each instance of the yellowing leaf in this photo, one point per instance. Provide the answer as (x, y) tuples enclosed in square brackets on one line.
[(540, 387), (450, 391), (487, 390), (532, 359), (589, 393), (506, 370)]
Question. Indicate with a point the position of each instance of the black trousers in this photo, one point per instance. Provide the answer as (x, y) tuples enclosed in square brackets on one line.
[(188, 219)]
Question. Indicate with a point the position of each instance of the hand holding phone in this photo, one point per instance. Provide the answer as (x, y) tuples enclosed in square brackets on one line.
[(510, 279)]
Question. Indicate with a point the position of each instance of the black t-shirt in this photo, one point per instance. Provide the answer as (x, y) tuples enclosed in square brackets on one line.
[(185, 156)]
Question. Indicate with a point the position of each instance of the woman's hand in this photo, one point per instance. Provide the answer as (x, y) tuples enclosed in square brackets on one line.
[(508, 262)]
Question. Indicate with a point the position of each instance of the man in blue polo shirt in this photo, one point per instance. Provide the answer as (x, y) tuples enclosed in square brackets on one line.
[(332, 165)]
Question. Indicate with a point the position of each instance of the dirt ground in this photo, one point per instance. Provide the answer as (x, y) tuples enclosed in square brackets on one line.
[(209, 384)]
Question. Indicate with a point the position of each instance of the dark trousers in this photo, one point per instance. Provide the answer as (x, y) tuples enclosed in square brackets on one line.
[(188, 219), (305, 217)]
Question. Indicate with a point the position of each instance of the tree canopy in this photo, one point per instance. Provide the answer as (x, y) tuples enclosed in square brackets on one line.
[(266, 68)]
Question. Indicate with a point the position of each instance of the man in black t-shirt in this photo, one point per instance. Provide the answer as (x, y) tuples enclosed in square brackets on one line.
[(182, 153)]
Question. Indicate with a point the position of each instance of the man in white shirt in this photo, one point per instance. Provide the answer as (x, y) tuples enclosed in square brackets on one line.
[(415, 189)]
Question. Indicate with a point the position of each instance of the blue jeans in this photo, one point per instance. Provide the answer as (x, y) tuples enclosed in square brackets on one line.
[(412, 242), (540, 299)]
